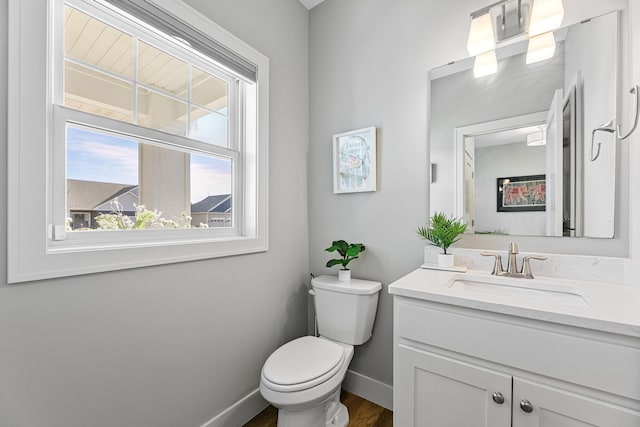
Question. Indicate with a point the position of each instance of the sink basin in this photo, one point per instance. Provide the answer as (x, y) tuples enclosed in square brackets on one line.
[(536, 290)]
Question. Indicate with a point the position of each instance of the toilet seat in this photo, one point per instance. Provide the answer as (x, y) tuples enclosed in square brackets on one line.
[(302, 364)]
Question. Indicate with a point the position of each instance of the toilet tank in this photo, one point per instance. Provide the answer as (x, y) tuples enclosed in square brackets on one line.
[(345, 310)]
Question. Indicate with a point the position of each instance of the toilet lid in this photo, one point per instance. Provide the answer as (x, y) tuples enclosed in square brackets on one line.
[(303, 363)]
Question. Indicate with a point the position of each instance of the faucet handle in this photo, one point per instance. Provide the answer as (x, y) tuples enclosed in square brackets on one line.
[(526, 268), (497, 266)]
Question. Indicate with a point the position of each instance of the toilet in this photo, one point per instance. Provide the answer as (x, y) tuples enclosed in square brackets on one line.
[(303, 378)]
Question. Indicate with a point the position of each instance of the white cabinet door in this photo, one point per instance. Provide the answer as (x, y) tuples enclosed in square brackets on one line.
[(436, 391), (558, 408)]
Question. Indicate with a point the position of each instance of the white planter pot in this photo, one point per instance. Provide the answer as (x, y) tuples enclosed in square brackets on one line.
[(344, 275), (445, 260)]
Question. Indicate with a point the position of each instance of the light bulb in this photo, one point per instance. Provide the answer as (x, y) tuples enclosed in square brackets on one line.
[(546, 15), (485, 64), (541, 47), (481, 37)]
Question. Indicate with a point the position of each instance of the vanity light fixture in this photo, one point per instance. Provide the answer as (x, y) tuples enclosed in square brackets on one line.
[(536, 139), (509, 19)]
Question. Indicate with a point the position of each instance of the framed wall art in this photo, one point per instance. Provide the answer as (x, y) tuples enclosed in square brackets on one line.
[(354, 161), (521, 193)]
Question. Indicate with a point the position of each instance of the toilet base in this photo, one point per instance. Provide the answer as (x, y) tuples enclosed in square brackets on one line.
[(340, 418), (331, 413)]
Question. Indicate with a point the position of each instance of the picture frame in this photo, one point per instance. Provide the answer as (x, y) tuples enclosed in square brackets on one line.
[(354, 161), (521, 193)]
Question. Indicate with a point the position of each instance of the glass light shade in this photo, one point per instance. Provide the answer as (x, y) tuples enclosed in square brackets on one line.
[(536, 138), (546, 15), (541, 47), (481, 37), (485, 64)]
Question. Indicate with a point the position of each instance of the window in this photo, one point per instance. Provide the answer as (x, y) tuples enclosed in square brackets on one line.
[(151, 123)]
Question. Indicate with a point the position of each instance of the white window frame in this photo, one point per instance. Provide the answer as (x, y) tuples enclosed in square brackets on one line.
[(37, 245)]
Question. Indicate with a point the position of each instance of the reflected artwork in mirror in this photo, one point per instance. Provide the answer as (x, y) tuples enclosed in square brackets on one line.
[(530, 120)]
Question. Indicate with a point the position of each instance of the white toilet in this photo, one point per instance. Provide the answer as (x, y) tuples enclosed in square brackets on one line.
[(303, 377)]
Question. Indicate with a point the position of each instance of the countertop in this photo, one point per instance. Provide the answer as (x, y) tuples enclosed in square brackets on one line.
[(604, 307)]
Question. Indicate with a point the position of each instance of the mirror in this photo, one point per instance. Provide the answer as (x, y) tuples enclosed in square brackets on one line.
[(510, 152)]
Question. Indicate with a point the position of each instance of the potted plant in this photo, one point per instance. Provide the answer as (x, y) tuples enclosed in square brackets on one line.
[(443, 232), (348, 252)]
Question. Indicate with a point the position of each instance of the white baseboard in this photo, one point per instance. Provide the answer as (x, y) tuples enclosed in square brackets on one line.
[(372, 390), (240, 412)]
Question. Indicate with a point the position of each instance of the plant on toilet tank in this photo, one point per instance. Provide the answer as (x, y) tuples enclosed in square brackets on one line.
[(442, 232), (349, 252)]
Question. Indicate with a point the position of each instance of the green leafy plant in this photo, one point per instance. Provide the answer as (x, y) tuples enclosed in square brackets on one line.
[(443, 231), (348, 251), (144, 219)]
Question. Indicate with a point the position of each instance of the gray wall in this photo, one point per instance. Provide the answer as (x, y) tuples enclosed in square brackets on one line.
[(172, 345), (369, 61)]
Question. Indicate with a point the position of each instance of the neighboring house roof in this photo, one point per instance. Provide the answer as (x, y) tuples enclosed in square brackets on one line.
[(219, 204), (99, 196), (127, 199), (86, 195)]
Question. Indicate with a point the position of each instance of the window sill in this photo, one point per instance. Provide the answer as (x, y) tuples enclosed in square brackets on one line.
[(78, 259)]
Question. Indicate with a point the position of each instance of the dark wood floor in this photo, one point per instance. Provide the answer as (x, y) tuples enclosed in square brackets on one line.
[(362, 413)]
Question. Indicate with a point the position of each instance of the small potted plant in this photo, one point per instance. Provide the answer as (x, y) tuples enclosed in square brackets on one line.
[(348, 252), (443, 232)]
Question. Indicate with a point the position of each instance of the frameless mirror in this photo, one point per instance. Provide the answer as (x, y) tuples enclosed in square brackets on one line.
[(511, 152)]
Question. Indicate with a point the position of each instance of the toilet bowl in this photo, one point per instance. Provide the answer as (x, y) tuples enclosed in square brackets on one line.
[(303, 377)]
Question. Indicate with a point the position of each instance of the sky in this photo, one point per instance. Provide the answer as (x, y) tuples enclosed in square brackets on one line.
[(100, 157)]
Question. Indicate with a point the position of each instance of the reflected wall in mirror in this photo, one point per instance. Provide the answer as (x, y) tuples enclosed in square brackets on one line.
[(480, 129)]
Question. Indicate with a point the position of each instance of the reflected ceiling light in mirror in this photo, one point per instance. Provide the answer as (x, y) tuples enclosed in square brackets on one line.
[(546, 16), (536, 139), (481, 37), (485, 64), (541, 47)]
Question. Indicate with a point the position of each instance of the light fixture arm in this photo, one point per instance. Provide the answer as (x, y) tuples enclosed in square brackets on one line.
[(487, 9), (520, 17)]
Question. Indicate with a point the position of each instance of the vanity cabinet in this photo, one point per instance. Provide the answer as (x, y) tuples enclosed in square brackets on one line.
[(456, 366), (434, 390)]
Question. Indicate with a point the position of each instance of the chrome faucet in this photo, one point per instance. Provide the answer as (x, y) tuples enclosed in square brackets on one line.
[(512, 263)]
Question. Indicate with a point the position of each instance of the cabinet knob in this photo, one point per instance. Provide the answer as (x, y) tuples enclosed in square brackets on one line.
[(526, 406), (498, 398)]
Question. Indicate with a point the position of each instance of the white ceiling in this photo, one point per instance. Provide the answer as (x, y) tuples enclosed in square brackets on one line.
[(310, 4), (510, 136)]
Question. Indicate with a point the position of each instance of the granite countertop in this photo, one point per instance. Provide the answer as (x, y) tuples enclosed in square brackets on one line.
[(593, 305)]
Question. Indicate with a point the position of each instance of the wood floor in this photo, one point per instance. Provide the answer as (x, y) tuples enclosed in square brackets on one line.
[(362, 413)]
